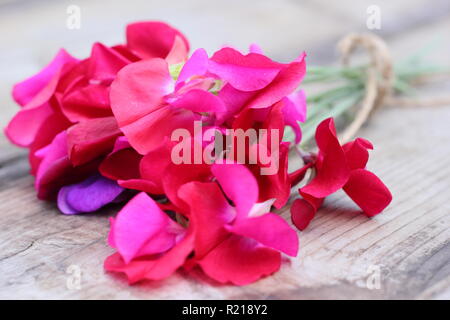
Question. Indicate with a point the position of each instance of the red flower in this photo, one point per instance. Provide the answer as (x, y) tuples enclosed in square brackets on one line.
[(339, 167)]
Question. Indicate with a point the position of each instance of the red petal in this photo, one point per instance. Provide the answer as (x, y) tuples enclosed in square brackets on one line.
[(177, 175), (86, 101), (153, 39), (91, 138), (153, 166), (368, 192), (356, 153), (209, 212), (121, 165), (302, 212), (241, 261), (332, 169), (297, 176), (105, 62)]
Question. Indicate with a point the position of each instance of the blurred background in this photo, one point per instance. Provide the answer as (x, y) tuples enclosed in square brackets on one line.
[(33, 30)]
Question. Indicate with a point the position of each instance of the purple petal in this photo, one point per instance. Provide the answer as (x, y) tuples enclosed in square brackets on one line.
[(88, 195)]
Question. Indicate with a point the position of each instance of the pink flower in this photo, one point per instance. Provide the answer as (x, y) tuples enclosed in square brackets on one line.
[(150, 245), (223, 237), (149, 105), (339, 167)]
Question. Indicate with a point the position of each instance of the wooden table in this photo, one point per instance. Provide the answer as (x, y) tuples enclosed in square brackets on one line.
[(402, 253)]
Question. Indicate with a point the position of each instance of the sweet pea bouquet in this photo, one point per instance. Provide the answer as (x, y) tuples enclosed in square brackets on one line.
[(192, 147)]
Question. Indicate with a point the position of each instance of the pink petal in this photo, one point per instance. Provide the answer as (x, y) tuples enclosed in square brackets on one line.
[(149, 132), (294, 110), (240, 261), (247, 73), (287, 80), (239, 185), (25, 91), (55, 169), (269, 230), (142, 228), (368, 192), (153, 166), (139, 89), (156, 268), (199, 101), (24, 127), (234, 101), (196, 65)]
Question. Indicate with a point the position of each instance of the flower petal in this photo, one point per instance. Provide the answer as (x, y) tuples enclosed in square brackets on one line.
[(179, 51), (304, 210), (177, 175), (86, 101), (239, 185), (294, 110), (91, 138), (332, 169), (199, 101), (356, 153), (88, 196), (240, 260), (197, 64), (153, 39), (139, 89), (209, 212), (287, 80), (25, 91), (121, 165), (368, 192), (244, 72), (142, 228), (269, 230), (155, 268), (105, 62)]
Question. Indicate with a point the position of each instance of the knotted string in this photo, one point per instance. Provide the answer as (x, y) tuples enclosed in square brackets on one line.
[(379, 80)]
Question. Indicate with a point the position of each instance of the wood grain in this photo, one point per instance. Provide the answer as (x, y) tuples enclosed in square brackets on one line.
[(409, 243)]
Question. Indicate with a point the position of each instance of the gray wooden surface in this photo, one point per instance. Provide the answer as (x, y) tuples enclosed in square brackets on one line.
[(341, 251)]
